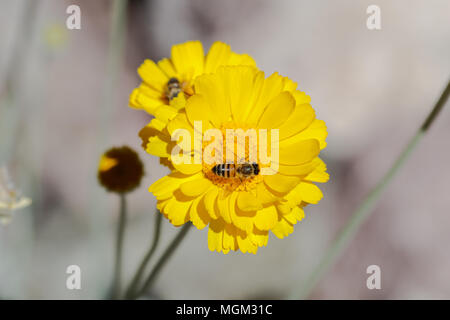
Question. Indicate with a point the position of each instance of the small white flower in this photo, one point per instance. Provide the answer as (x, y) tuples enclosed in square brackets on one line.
[(11, 199)]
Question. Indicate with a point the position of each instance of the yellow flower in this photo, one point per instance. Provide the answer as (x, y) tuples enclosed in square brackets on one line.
[(167, 84), (120, 170), (240, 212)]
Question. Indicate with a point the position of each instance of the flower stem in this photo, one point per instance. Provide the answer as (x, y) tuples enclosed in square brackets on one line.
[(137, 277), (364, 210), (162, 261), (119, 247), (113, 65)]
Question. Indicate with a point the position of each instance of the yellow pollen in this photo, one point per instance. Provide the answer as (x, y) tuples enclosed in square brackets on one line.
[(235, 183)]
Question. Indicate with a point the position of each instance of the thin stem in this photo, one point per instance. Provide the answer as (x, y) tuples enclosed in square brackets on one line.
[(119, 247), (114, 64), (363, 211), (10, 85), (106, 110), (137, 277), (162, 261)]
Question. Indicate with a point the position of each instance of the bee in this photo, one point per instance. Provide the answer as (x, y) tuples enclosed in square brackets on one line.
[(173, 88), (241, 170)]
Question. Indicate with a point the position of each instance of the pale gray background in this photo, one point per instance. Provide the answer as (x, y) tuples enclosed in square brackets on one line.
[(373, 89)]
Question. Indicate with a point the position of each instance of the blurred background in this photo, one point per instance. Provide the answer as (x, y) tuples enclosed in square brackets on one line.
[(64, 100)]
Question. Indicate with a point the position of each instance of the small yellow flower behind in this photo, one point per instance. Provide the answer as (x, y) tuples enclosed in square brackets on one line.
[(120, 170), (167, 84)]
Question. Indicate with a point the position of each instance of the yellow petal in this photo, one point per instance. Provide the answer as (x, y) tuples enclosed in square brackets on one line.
[(222, 203), (210, 202), (301, 97), (241, 219), (198, 214), (180, 121), (154, 128), (245, 244), (295, 215), (258, 237), (167, 67), (294, 197), (241, 59), (289, 85), (178, 211), (310, 192), (188, 168), (298, 153), (164, 187), (277, 111), (195, 188), (281, 183), (157, 147), (188, 58), (197, 109), (211, 88), (152, 75), (265, 196), (247, 201), (299, 170), (319, 173), (215, 236), (218, 55), (299, 120), (317, 130), (165, 113), (229, 237), (140, 100), (266, 218), (282, 229), (270, 88), (179, 102)]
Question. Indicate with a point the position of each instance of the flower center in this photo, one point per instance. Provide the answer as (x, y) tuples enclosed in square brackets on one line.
[(232, 162)]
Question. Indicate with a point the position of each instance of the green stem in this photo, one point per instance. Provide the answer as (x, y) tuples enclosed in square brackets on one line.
[(162, 261), (362, 212), (137, 277), (114, 64), (119, 247), (105, 114)]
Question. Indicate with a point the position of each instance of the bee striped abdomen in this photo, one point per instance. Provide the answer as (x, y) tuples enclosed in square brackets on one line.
[(173, 88), (231, 170), (225, 170)]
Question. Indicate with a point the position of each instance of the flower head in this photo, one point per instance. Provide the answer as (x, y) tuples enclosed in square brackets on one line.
[(241, 205), (120, 170), (168, 83), (11, 199)]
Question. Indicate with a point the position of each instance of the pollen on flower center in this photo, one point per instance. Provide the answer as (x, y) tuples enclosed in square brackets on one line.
[(240, 174)]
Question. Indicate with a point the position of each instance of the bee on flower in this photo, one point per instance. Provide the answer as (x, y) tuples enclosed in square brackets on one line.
[(168, 83), (234, 199)]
